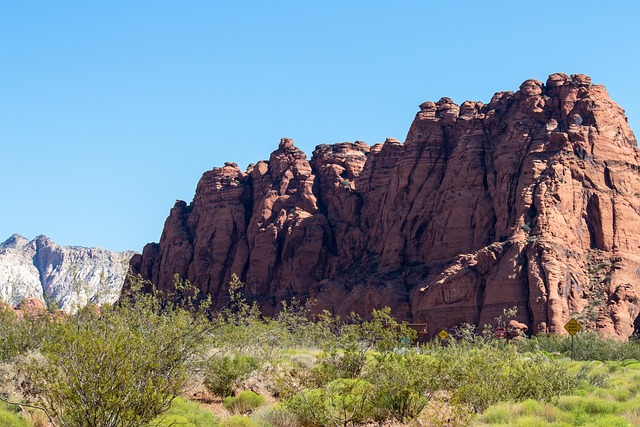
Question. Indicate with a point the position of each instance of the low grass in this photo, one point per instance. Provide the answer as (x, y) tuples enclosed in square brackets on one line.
[(238, 421), (185, 413), (244, 403), (9, 417), (608, 395), (275, 416)]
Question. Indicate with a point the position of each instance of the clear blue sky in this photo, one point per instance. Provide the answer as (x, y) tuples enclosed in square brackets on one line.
[(112, 110)]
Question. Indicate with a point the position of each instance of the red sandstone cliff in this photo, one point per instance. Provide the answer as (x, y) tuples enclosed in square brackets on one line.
[(532, 200)]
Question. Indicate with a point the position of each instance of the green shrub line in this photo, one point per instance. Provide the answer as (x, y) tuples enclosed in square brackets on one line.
[(128, 364), (588, 345)]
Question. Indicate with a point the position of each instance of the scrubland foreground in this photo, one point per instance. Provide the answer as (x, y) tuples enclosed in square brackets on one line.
[(150, 361)]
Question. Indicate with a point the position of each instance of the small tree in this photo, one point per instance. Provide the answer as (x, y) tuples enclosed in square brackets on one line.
[(223, 374), (341, 403), (117, 366), (404, 384), (21, 333)]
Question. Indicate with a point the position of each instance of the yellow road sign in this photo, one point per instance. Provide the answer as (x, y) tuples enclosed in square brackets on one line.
[(573, 327), (443, 334)]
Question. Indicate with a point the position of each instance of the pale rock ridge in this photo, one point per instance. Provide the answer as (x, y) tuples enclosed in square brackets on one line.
[(68, 276), (531, 200)]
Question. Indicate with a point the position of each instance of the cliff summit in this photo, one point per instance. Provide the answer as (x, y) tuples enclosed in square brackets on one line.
[(531, 200)]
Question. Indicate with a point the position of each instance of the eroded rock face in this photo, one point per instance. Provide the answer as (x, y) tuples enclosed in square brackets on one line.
[(39, 270), (531, 200)]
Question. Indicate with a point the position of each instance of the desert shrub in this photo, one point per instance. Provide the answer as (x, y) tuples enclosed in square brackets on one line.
[(238, 421), (475, 376), (243, 330), (223, 373), (587, 346), (117, 366), (404, 384), (294, 373), (304, 330), (468, 335), (276, 416), (594, 374), (326, 330), (244, 403), (253, 335), (343, 402), (337, 364), (20, 334), (381, 333), (592, 346), (16, 383), (539, 378), (345, 353), (184, 413), (591, 405), (480, 377)]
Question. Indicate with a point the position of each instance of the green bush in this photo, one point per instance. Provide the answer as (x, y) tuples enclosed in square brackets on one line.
[(185, 413), (404, 384), (117, 366), (302, 330), (334, 364), (238, 421), (586, 346), (345, 354), (20, 334), (276, 416), (591, 405), (246, 402), (480, 377), (223, 374), (244, 330), (343, 402), (594, 373)]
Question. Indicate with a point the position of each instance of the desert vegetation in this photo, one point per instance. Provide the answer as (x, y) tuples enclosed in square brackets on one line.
[(163, 360)]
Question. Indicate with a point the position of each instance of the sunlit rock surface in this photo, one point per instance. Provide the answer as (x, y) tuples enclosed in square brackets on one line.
[(531, 200), (67, 276)]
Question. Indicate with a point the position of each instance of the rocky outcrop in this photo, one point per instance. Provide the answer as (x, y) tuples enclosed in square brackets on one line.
[(531, 200), (67, 276)]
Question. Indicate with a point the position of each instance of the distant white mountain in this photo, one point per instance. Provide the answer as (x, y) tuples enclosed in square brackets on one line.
[(67, 276)]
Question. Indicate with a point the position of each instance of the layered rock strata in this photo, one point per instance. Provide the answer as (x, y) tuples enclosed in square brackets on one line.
[(531, 200)]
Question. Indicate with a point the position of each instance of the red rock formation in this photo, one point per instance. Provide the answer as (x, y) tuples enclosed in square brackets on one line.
[(31, 307), (532, 200)]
